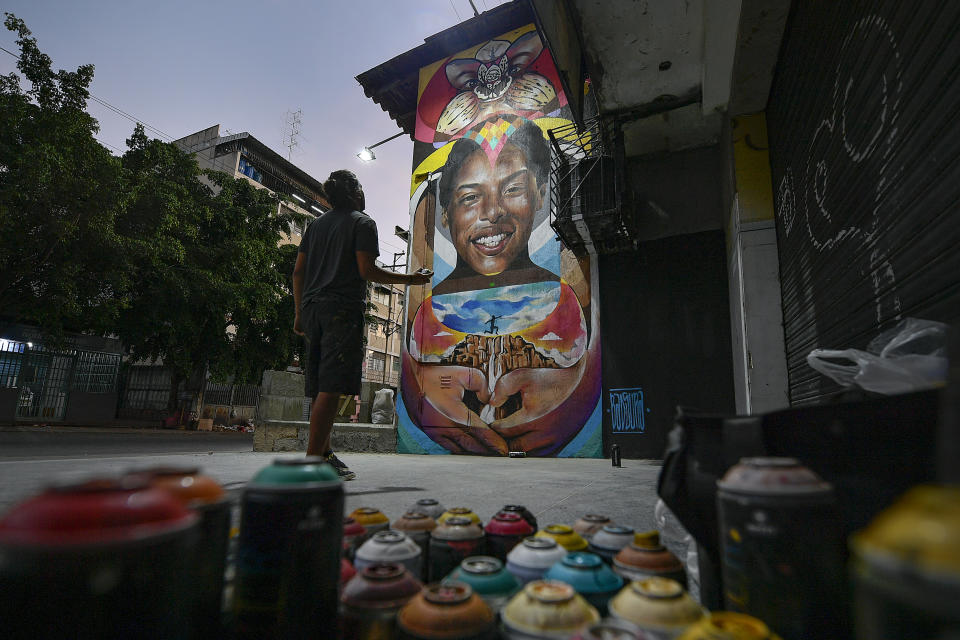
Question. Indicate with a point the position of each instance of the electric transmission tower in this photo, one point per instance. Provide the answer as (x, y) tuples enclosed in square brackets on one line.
[(291, 131)]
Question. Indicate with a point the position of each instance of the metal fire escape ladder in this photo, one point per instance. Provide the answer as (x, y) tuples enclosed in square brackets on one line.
[(586, 199)]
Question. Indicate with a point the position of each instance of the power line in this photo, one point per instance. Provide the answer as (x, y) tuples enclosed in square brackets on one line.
[(112, 146), (117, 110), (459, 19), (113, 108)]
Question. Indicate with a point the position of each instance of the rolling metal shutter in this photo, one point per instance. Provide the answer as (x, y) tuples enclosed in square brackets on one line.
[(864, 119)]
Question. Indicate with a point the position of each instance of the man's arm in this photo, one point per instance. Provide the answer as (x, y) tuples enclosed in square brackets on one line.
[(298, 271), (369, 271)]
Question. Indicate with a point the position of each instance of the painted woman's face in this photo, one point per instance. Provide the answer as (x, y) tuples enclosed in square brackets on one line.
[(492, 209)]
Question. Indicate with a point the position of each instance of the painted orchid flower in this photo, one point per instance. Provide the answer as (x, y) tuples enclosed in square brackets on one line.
[(495, 81)]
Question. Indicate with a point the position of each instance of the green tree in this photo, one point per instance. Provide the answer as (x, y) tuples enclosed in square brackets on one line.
[(208, 288), (181, 264), (59, 255)]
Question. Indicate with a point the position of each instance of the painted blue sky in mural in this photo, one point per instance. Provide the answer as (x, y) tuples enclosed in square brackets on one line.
[(515, 308)]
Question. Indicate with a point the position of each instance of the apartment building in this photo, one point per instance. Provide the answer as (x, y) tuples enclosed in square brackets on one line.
[(382, 361), (243, 156)]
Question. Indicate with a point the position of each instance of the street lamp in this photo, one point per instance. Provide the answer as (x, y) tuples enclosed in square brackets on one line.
[(367, 154)]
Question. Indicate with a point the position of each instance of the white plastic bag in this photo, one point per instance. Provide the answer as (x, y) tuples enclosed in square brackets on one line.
[(909, 357), (383, 407), (679, 541)]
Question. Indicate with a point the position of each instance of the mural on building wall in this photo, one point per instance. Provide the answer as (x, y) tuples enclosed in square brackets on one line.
[(501, 350)]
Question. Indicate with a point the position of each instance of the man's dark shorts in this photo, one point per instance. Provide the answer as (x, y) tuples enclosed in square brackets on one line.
[(334, 331)]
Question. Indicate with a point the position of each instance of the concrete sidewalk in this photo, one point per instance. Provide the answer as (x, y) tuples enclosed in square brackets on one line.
[(556, 490)]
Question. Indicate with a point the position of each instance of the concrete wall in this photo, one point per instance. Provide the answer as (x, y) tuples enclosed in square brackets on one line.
[(8, 405), (282, 428), (677, 193), (756, 319), (281, 396), (90, 408), (664, 307), (282, 435)]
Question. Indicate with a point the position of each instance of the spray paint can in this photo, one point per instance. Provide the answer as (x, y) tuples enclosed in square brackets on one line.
[(371, 600), (530, 559), (659, 606), (390, 547), (446, 611), (607, 542), (354, 534), (451, 543), (505, 531), (205, 497), (346, 571), (524, 512), (459, 512), (373, 520), (104, 558), (417, 526), (615, 455), (906, 568), (288, 553), (545, 610), (589, 577), (781, 548), (565, 536), (488, 579), (611, 629), (727, 625), (428, 506), (589, 524), (646, 558)]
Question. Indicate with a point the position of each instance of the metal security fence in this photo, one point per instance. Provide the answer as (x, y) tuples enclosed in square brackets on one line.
[(233, 395), (146, 390), (46, 377), (228, 404), (96, 372)]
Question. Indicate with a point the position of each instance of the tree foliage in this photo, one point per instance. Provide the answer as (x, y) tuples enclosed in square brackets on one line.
[(182, 264), (58, 197), (210, 281)]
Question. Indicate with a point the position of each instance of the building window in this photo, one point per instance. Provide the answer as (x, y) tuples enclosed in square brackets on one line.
[(375, 364)]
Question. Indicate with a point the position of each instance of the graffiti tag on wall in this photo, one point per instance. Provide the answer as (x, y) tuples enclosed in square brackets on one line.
[(627, 411)]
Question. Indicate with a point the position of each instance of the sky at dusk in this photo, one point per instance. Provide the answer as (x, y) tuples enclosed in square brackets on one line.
[(182, 66)]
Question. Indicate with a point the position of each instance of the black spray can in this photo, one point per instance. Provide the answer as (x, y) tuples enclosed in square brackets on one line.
[(288, 556), (451, 543), (782, 548)]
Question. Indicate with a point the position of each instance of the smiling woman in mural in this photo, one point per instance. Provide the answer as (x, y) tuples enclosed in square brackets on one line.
[(503, 341), (502, 352), (490, 198)]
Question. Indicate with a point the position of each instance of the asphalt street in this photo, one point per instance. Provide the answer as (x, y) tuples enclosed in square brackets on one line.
[(556, 490), (46, 443)]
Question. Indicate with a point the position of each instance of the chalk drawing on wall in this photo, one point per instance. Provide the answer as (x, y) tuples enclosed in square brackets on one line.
[(628, 414), (816, 192), (502, 349)]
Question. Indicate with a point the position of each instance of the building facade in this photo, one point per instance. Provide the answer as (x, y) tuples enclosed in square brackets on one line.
[(754, 179), (240, 155), (384, 321)]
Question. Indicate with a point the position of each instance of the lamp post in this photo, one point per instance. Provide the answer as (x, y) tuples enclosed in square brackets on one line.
[(389, 330), (367, 155)]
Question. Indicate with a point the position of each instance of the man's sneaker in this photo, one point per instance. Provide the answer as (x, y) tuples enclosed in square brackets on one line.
[(342, 469)]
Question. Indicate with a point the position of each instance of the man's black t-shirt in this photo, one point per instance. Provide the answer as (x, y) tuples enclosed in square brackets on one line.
[(331, 243)]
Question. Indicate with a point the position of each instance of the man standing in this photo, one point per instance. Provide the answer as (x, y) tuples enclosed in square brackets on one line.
[(337, 257)]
